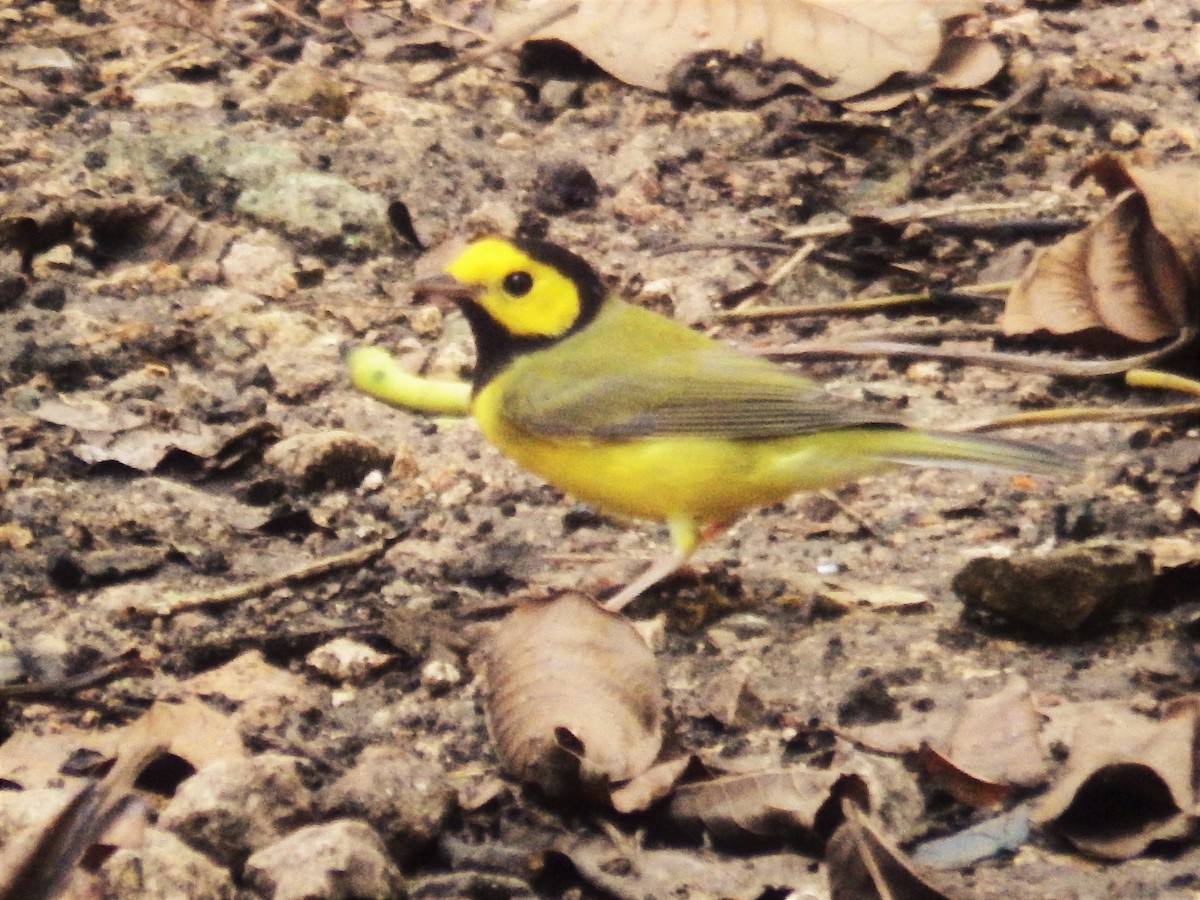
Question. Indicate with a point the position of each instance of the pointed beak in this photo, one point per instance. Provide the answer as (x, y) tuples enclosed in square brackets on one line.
[(443, 288)]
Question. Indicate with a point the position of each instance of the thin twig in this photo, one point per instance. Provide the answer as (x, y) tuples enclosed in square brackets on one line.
[(731, 245), (113, 668), (864, 304), (1074, 414), (315, 27), (448, 24), (1071, 368), (143, 73), (1162, 381), (963, 137), (174, 602), (790, 265), (902, 216), (861, 519), (924, 333)]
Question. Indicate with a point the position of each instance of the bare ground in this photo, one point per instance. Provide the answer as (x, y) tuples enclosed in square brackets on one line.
[(141, 400)]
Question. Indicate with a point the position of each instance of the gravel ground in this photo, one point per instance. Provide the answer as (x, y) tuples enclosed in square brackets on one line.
[(203, 205)]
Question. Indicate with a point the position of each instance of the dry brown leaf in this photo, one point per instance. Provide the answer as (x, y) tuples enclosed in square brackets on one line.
[(122, 229), (642, 791), (993, 747), (997, 737), (574, 698), (1134, 272), (839, 48), (1173, 194), (40, 865), (864, 865), (943, 773), (630, 871), (795, 805), (1129, 782)]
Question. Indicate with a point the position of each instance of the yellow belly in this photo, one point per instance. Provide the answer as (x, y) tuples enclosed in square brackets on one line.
[(705, 480)]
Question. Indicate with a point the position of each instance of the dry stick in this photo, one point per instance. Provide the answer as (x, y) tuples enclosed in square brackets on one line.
[(919, 333), (448, 24), (1067, 367), (964, 136), (867, 304), (147, 70), (900, 217), (174, 602), (863, 521), (315, 27), (789, 266), (732, 245), (114, 668), (1164, 381), (520, 34), (1074, 414), (1146, 378)]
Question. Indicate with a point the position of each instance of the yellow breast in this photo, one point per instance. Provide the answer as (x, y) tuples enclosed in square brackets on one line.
[(707, 480)]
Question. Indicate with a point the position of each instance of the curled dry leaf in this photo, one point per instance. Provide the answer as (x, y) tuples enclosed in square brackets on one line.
[(838, 49), (792, 806), (1133, 273), (993, 747), (125, 229), (642, 791), (864, 865), (574, 700), (1129, 782)]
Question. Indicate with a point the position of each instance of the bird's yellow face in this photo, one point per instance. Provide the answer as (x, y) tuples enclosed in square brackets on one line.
[(527, 298)]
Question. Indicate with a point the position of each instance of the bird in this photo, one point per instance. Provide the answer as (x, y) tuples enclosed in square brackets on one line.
[(643, 417)]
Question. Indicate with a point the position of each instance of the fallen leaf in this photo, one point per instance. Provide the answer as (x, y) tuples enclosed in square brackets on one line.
[(122, 229), (574, 699), (730, 698), (943, 773), (794, 806), (40, 865), (864, 865), (1133, 272), (1129, 782), (844, 595), (993, 747), (632, 871), (642, 791), (838, 49)]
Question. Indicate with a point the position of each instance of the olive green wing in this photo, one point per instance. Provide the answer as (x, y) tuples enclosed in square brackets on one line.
[(710, 391)]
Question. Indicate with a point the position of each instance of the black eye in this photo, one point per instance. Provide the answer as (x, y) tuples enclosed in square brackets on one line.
[(518, 284)]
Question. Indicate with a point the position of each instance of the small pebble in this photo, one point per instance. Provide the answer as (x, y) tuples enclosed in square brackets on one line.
[(335, 861)]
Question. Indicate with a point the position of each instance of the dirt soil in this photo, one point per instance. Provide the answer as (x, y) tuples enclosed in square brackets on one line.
[(205, 204)]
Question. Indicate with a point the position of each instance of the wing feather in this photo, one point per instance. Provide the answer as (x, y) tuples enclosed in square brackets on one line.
[(702, 389)]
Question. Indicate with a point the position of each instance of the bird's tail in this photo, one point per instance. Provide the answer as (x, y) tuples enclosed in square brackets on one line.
[(949, 450)]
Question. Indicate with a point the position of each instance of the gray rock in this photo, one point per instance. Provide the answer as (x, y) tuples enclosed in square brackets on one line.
[(163, 868), (233, 807), (342, 860), (405, 798), (1061, 592), (314, 459)]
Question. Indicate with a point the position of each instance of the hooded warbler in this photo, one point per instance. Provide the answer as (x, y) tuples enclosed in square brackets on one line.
[(641, 416)]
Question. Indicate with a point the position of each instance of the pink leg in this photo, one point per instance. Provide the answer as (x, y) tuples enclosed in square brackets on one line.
[(686, 536)]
